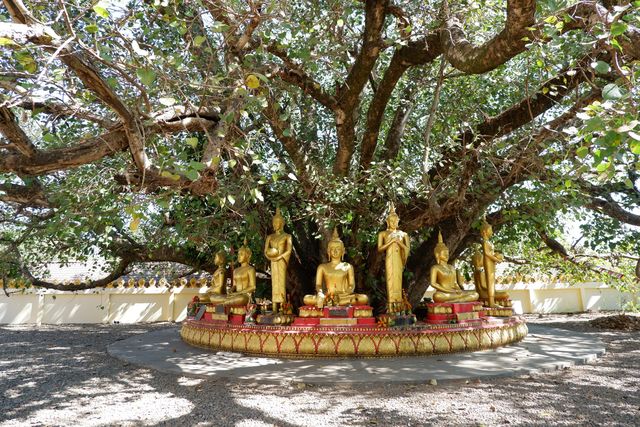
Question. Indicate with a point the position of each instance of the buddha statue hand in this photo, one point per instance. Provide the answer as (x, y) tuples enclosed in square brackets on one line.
[(320, 299)]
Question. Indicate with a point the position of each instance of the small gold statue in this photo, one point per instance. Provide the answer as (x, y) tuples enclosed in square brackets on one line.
[(335, 278), (244, 281), (396, 245), (277, 249), (218, 279), (489, 259), (446, 279)]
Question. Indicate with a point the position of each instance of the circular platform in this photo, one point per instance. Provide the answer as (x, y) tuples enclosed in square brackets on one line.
[(543, 349), (301, 342)]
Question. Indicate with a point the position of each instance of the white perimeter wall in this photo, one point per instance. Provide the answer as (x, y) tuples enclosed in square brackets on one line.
[(134, 305)]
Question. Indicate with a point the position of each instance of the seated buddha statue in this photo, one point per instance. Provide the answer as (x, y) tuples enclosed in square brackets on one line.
[(244, 281), (335, 278), (218, 279), (446, 279)]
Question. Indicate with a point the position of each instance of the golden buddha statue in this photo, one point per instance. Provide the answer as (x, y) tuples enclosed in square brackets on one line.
[(480, 279), (395, 243), (244, 281), (335, 279), (446, 279), (490, 258), (277, 249), (218, 280)]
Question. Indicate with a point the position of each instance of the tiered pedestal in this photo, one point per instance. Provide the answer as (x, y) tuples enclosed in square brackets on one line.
[(501, 302), (234, 314), (499, 311), (357, 315), (466, 312), (275, 319)]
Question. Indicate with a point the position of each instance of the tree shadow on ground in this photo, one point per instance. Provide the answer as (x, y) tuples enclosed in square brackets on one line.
[(63, 375)]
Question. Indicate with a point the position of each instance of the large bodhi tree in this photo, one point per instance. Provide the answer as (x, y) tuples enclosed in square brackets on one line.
[(162, 131)]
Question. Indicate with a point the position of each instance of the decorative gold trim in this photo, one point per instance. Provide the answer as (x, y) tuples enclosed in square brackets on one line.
[(336, 341)]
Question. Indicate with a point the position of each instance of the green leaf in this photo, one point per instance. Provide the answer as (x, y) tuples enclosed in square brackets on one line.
[(219, 27), (594, 124), (170, 175), (101, 11), (192, 174), (601, 67), (197, 166), (49, 137), (146, 76), (197, 42), (618, 28), (603, 166), (7, 42), (612, 92), (635, 147), (231, 199), (582, 152), (92, 28), (192, 141)]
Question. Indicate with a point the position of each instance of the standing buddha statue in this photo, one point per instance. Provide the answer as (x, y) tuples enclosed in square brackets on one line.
[(446, 279), (335, 278), (480, 278), (277, 249), (396, 245), (244, 281), (490, 259)]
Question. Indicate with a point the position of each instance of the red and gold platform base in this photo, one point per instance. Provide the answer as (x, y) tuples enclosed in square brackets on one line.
[(358, 340)]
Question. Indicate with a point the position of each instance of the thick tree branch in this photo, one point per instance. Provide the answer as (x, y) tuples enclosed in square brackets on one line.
[(377, 108), (284, 133), (525, 159), (464, 56), (606, 205), (518, 115), (295, 75), (398, 124), (418, 52), (520, 29), (24, 195), (11, 130), (348, 94), (89, 151), (57, 109)]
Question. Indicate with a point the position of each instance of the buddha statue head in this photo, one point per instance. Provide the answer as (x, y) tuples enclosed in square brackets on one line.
[(278, 221), (441, 251), (392, 219), (244, 253), (219, 258), (335, 247), (486, 231)]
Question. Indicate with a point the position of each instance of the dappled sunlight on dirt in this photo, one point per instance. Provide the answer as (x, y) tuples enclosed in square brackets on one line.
[(62, 375)]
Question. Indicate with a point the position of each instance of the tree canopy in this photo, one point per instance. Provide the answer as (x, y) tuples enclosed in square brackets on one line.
[(163, 131)]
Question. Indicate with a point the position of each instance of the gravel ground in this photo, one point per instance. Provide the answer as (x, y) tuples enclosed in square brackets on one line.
[(62, 375)]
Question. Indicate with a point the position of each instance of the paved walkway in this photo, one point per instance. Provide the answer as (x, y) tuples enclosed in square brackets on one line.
[(543, 349)]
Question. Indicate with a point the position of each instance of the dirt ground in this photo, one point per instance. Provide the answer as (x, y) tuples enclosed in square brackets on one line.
[(62, 375)]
